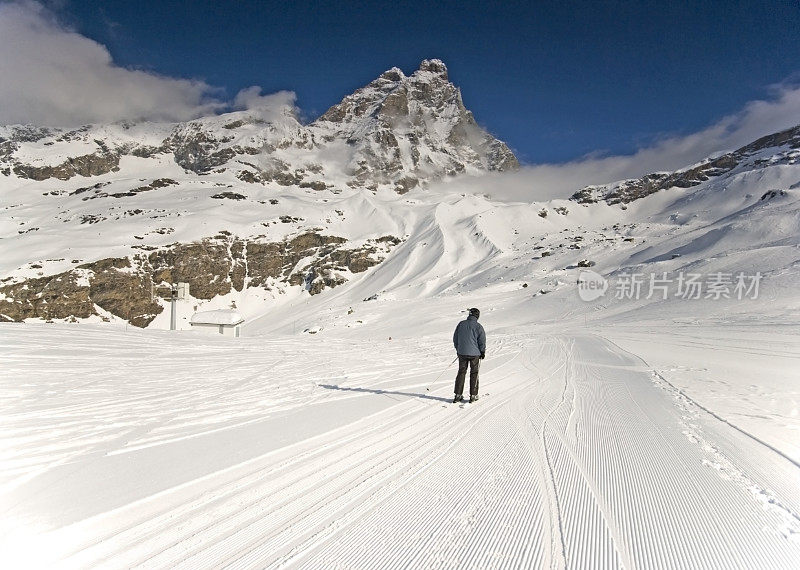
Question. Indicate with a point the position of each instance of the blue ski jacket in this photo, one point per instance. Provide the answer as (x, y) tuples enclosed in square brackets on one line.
[(469, 337)]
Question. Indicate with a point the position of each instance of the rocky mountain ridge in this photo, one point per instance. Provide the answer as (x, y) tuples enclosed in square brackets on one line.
[(134, 184), (407, 129), (397, 132), (771, 150)]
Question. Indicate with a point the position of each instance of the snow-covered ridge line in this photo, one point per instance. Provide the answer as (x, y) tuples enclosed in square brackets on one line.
[(398, 132), (775, 149)]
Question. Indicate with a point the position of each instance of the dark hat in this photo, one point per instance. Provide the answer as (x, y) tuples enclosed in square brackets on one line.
[(475, 313)]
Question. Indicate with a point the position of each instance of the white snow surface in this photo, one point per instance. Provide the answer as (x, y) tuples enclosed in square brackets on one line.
[(655, 432), (218, 317)]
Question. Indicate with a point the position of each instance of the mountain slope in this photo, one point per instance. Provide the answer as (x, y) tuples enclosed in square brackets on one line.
[(771, 150), (108, 248), (396, 132)]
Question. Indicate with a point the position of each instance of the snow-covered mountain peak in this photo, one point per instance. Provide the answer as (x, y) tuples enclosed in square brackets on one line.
[(433, 66), (389, 96), (394, 74), (396, 132), (410, 129)]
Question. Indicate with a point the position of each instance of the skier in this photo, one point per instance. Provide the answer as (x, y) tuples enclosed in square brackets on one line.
[(469, 339)]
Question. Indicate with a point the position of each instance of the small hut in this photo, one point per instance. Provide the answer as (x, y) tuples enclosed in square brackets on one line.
[(224, 322)]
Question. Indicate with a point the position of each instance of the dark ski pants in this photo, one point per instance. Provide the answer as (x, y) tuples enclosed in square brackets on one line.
[(474, 363)]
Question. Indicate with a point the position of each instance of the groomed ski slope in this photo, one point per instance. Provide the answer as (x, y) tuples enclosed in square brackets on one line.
[(336, 454)]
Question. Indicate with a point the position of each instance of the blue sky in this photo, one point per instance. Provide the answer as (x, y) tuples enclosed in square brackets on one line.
[(556, 80)]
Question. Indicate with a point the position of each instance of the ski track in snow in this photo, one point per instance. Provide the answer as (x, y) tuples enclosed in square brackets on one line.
[(578, 455)]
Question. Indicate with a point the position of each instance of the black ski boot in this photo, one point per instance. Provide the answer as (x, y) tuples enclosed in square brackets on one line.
[(473, 398), (458, 398)]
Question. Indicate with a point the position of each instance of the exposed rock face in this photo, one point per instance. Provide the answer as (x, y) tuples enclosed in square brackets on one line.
[(29, 133), (56, 297), (109, 284), (198, 150), (630, 190), (128, 287), (203, 265), (406, 129), (87, 165), (400, 132), (114, 287)]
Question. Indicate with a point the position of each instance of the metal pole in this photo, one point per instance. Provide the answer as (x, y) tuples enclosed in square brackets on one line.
[(440, 375), (173, 319)]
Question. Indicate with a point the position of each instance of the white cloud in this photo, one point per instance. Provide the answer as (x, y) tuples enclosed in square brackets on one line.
[(251, 98), (756, 119), (53, 76), (271, 106)]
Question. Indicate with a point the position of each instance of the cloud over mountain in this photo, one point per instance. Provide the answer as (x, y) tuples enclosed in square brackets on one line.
[(54, 76), (755, 119), (279, 102)]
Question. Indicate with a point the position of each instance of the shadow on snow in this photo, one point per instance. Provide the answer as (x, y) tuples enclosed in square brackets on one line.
[(387, 392)]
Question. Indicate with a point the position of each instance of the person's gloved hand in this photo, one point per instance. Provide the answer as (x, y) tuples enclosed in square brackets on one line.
[(483, 355)]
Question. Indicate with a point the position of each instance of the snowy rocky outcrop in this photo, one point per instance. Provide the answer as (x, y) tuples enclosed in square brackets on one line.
[(130, 287), (397, 132), (771, 150), (410, 129)]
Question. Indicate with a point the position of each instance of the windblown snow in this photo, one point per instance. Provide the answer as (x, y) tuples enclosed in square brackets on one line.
[(655, 425)]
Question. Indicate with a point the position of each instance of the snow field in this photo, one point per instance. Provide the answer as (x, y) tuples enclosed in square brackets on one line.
[(701, 361), (578, 455)]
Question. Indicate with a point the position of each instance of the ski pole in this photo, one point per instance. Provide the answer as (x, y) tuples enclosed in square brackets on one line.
[(440, 374)]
